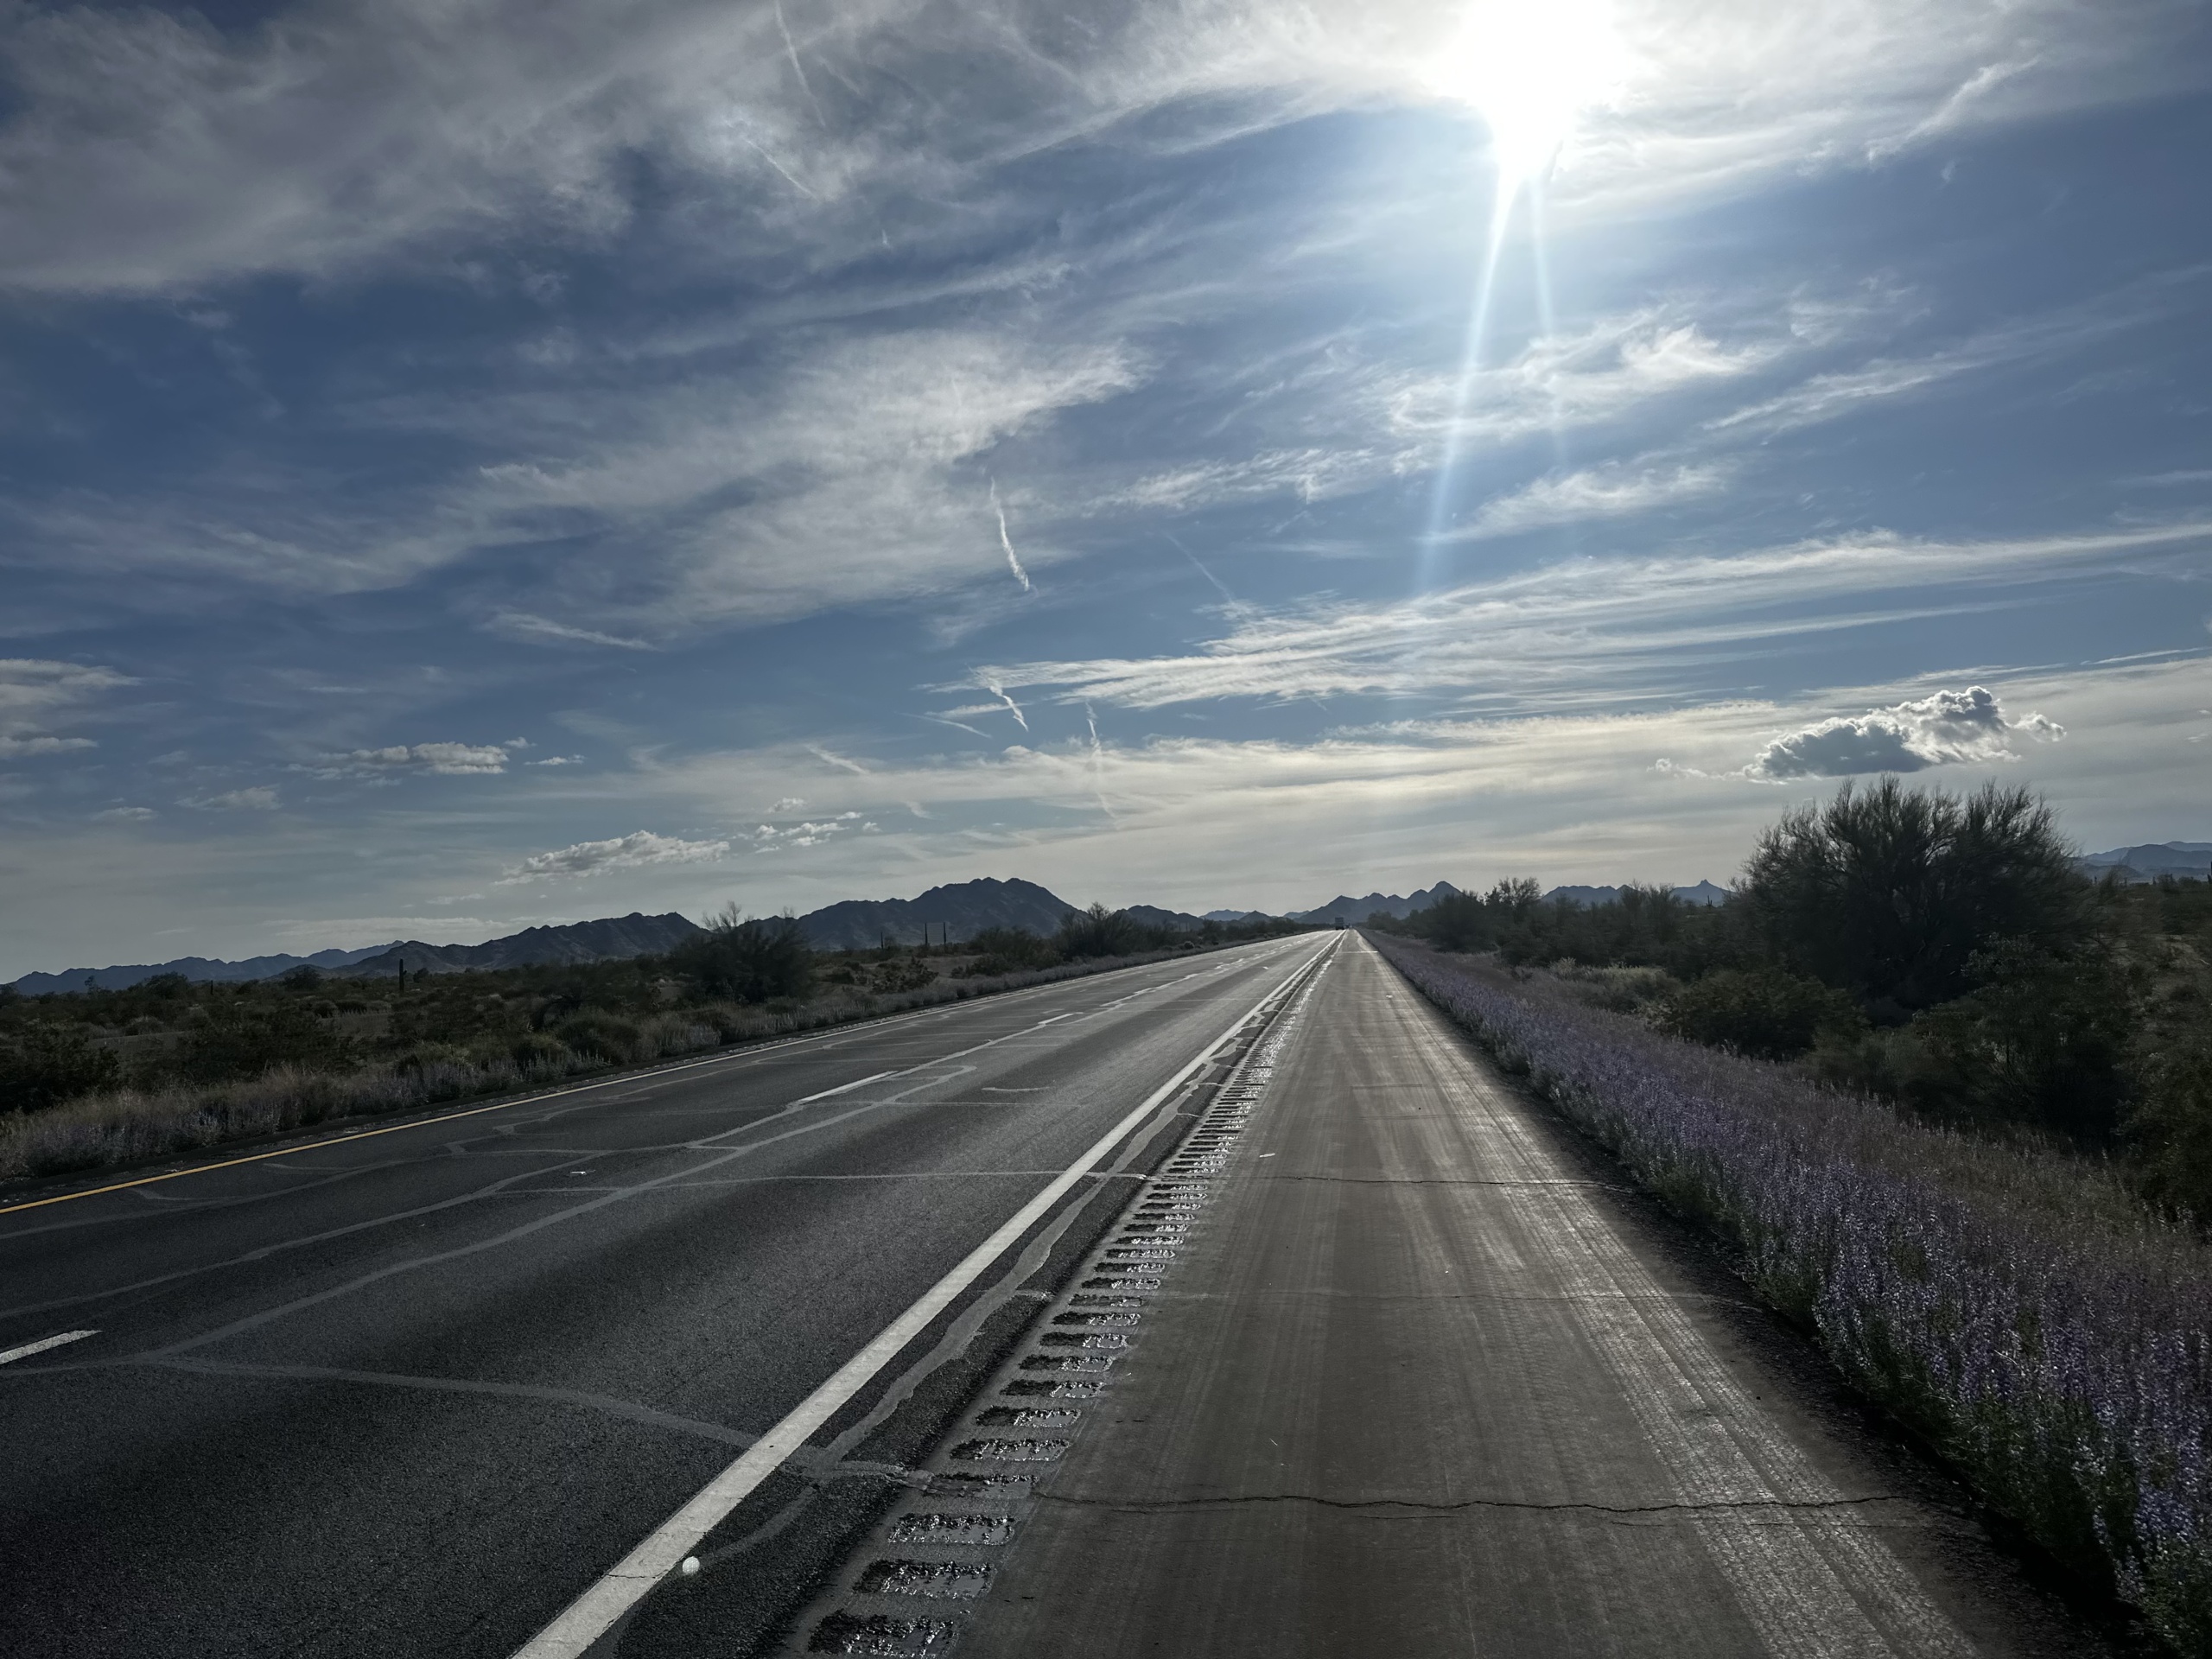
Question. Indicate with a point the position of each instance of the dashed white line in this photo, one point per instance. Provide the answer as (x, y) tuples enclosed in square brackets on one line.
[(11, 1355)]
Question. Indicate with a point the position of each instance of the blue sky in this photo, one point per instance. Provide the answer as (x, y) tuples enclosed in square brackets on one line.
[(463, 467)]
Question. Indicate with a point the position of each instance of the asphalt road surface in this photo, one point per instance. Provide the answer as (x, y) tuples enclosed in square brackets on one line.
[(1383, 1364), (417, 1392)]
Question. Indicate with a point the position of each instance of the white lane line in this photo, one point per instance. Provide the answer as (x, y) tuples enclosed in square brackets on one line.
[(842, 1088), (591, 1615), (11, 1355)]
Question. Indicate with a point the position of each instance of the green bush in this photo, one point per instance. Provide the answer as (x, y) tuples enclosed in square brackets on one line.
[(2042, 1039), (43, 1064), (1765, 1013)]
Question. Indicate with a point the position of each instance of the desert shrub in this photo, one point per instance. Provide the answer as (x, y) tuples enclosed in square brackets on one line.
[(747, 959), (600, 1035), (239, 1038), (1009, 950), (43, 1064), (1766, 1012), (1618, 990), (2170, 1128), (902, 973), (538, 1050)]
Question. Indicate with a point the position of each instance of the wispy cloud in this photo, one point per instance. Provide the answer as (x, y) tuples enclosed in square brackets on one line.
[(34, 693), (638, 848), (445, 760), (521, 625), (1583, 629), (1617, 492), (262, 797)]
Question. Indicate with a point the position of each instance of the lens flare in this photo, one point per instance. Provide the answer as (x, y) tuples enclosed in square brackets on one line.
[(1530, 68)]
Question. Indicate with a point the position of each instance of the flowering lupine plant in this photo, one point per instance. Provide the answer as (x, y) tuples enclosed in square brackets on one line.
[(2017, 1307)]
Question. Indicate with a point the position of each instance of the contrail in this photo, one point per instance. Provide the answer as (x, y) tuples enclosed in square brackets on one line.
[(962, 724), (1220, 586), (999, 691), (1013, 563), (1098, 766), (784, 29)]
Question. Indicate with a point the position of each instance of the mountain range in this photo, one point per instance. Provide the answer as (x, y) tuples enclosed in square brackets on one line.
[(198, 968), (2152, 860), (954, 912), (961, 909), (1352, 911), (1703, 894), (606, 940)]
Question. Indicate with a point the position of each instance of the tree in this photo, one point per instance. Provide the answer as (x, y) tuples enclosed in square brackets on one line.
[(747, 959), (1099, 931), (1888, 893)]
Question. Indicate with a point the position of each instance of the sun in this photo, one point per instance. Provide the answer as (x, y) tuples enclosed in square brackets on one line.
[(1531, 68)]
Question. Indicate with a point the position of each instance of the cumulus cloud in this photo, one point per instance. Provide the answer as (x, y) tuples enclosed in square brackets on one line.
[(260, 798), (632, 851), (124, 815), (449, 759), (1945, 728), (812, 833)]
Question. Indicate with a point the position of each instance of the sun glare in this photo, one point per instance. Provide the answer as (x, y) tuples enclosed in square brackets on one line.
[(1531, 67)]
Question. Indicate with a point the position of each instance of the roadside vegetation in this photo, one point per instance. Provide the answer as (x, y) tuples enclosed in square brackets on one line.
[(100, 1078), (1949, 1104), (1939, 954)]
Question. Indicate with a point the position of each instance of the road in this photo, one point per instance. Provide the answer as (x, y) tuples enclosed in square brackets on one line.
[(417, 1392), (1382, 1363)]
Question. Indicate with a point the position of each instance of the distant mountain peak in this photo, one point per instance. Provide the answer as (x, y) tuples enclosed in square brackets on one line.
[(961, 909), (1352, 911)]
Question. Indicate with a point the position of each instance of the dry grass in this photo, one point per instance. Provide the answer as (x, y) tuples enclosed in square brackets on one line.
[(134, 1125)]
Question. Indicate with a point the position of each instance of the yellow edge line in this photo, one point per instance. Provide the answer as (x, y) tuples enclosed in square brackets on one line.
[(496, 1106)]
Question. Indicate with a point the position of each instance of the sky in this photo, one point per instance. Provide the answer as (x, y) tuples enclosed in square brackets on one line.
[(466, 464)]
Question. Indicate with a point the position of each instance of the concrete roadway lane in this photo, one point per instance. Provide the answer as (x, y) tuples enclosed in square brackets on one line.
[(410, 1394), (1419, 1384)]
